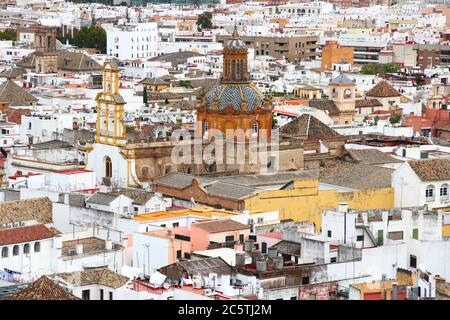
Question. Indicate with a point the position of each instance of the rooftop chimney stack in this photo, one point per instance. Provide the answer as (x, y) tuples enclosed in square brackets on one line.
[(272, 253), (261, 265), (240, 259), (248, 245), (343, 207), (278, 263)]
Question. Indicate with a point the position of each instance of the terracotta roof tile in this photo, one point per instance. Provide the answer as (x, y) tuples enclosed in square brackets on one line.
[(310, 127), (100, 276), (220, 226), (42, 289), (431, 169), (383, 90), (39, 209), (24, 234)]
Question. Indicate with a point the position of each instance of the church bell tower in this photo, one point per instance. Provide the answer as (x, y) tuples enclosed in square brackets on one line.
[(110, 108)]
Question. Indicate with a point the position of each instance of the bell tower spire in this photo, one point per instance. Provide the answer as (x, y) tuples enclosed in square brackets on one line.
[(235, 60)]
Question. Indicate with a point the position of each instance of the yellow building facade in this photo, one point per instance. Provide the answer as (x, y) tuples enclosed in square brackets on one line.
[(303, 201)]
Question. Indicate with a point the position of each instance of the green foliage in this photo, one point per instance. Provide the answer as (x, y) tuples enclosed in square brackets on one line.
[(395, 118), (204, 21), (8, 34), (274, 122), (144, 96), (376, 119), (378, 68), (185, 83), (88, 37)]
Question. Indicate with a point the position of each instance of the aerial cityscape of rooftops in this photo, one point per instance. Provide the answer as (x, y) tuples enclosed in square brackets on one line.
[(225, 150)]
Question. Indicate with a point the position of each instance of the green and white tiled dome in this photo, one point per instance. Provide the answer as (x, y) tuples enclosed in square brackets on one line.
[(234, 95)]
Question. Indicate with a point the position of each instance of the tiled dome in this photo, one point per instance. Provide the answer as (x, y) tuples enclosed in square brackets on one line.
[(235, 43), (235, 95)]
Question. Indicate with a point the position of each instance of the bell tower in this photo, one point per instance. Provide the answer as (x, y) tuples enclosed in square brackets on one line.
[(45, 45), (235, 60), (110, 108)]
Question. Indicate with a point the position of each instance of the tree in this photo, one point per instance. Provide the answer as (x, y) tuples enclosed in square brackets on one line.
[(378, 68), (395, 118), (204, 21), (274, 121), (185, 83), (8, 34), (376, 119), (144, 97), (88, 37)]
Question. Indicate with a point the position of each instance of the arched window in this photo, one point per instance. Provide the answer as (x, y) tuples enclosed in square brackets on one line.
[(108, 167), (26, 248), (16, 250), (429, 193), (443, 192), (4, 252), (145, 172), (347, 93), (37, 247), (206, 126), (255, 127)]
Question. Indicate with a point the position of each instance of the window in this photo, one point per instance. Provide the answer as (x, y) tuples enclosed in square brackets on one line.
[(444, 192), (255, 127), (416, 233), (86, 294), (178, 254), (334, 259), (329, 233), (37, 247), (108, 167), (360, 237), (4, 252), (26, 248), (413, 261), (176, 224), (380, 237), (206, 126), (395, 235), (229, 239), (429, 193), (294, 298), (110, 295), (16, 250), (241, 238), (305, 280), (101, 294)]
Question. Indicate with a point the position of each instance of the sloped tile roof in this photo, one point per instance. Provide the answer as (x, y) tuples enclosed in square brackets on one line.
[(431, 169), (383, 89), (310, 127), (342, 79), (42, 289), (217, 226), (372, 156), (39, 209), (15, 115), (103, 198), (326, 105), (14, 72), (355, 176), (13, 94), (24, 234), (206, 266), (367, 103), (99, 276)]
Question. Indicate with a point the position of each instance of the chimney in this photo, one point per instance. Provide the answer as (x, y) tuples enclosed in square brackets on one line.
[(240, 259), (273, 253), (261, 265), (79, 249), (248, 245), (256, 255), (278, 263)]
